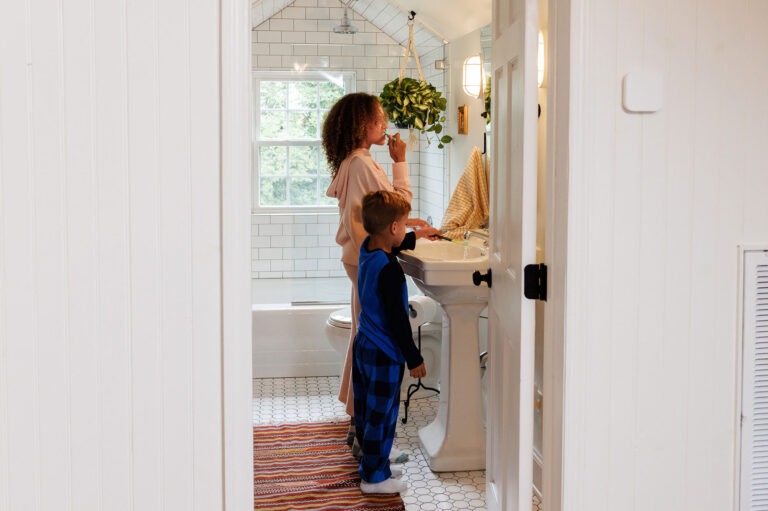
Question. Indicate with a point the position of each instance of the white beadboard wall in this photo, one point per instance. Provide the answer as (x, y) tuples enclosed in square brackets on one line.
[(110, 275), (301, 34), (659, 203)]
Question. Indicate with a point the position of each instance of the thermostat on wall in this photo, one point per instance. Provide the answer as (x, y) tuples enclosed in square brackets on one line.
[(643, 91)]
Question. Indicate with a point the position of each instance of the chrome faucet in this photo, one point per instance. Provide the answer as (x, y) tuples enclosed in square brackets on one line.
[(477, 234)]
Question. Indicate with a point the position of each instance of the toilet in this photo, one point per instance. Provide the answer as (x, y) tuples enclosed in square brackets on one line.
[(337, 328)]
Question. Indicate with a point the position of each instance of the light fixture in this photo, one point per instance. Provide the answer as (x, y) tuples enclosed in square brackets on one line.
[(540, 60), (473, 76), (346, 27)]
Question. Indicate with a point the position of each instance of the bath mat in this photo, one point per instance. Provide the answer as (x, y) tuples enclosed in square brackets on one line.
[(310, 466)]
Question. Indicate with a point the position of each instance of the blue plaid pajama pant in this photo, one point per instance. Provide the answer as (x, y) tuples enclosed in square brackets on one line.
[(376, 380)]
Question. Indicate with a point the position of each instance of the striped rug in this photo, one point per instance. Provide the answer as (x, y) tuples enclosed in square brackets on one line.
[(310, 466)]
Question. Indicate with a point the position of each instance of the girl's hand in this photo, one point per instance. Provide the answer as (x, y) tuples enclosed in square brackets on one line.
[(418, 372), (427, 232), (416, 222), (396, 148)]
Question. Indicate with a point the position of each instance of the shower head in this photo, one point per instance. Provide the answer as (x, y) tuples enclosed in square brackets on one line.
[(346, 27)]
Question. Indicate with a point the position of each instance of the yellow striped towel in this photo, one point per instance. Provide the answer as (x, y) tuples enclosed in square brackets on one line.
[(468, 207)]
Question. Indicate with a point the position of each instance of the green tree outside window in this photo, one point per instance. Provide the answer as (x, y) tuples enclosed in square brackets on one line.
[(290, 165)]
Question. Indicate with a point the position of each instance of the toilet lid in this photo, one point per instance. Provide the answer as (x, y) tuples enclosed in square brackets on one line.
[(341, 318)]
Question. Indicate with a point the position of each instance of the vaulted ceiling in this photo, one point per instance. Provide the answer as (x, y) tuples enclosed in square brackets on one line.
[(437, 21)]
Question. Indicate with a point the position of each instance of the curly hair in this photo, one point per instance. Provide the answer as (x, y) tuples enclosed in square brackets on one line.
[(344, 128)]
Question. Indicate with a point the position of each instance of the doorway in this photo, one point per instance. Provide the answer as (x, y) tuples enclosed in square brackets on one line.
[(235, 270)]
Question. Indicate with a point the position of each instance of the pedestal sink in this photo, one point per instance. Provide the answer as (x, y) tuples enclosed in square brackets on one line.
[(455, 440)]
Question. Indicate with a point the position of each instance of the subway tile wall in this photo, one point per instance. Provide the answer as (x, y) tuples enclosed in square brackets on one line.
[(433, 162), (300, 36), (295, 246)]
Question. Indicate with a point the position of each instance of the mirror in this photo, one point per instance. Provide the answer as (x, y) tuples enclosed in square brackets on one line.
[(485, 45)]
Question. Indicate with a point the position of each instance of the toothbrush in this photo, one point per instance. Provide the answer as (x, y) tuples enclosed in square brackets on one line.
[(446, 238)]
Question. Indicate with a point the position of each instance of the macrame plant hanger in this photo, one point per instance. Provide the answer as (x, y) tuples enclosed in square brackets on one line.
[(413, 139)]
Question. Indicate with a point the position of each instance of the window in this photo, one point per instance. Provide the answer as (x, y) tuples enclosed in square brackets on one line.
[(290, 171)]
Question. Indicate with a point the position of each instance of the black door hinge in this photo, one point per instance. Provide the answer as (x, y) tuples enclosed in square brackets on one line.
[(535, 282)]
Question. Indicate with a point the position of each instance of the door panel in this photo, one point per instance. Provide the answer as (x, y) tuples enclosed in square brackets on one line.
[(512, 246)]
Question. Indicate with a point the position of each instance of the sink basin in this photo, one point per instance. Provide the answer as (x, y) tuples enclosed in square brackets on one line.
[(446, 251), (443, 270)]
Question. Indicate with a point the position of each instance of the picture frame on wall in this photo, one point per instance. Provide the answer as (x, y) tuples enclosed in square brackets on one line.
[(461, 119)]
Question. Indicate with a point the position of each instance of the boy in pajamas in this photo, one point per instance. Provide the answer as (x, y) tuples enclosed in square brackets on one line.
[(384, 341)]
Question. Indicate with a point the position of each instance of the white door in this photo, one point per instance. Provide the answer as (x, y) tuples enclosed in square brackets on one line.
[(513, 246)]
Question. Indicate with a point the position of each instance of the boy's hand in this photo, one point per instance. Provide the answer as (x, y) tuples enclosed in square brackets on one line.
[(419, 371), (427, 232)]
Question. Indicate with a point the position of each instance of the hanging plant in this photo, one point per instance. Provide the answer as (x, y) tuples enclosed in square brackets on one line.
[(412, 103)]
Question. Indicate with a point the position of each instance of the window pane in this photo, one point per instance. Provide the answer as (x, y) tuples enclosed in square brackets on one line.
[(273, 94), (273, 124), (329, 93), (302, 95), (303, 161), (302, 125), (323, 182), (272, 160), (272, 191), (303, 191)]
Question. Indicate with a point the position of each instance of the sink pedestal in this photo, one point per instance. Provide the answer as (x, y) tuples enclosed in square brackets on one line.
[(455, 440)]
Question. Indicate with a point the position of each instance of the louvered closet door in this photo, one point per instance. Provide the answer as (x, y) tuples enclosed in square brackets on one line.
[(754, 426)]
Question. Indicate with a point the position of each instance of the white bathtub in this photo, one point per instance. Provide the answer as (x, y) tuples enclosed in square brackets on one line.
[(289, 341), (288, 332)]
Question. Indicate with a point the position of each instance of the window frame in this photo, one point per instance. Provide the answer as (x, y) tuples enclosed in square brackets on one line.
[(349, 81)]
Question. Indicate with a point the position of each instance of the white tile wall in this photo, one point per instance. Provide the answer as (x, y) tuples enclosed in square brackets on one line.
[(301, 34), (433, 162), (295, 246)]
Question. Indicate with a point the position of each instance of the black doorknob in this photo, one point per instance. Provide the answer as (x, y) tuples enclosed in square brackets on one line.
[(478, 277)]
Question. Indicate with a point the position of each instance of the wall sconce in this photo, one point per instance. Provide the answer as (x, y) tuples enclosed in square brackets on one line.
[(472, 81), (540, 60)]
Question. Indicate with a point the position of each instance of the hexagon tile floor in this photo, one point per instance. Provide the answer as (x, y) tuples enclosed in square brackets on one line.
[(286, 400)]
